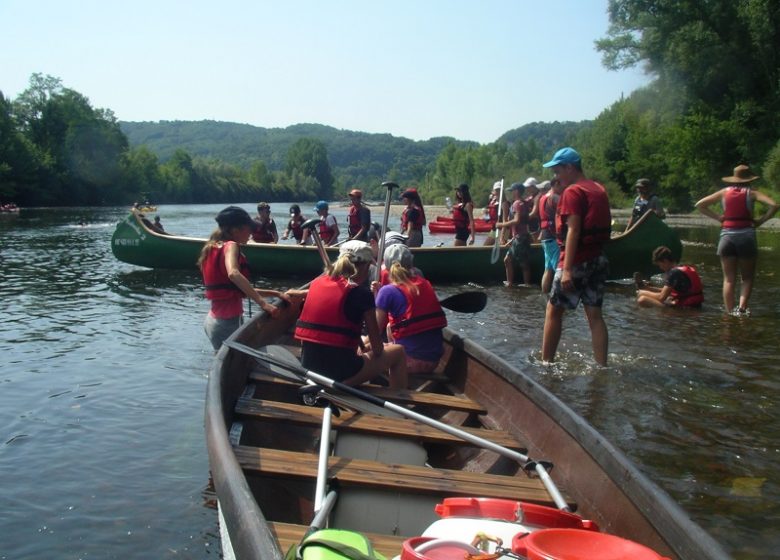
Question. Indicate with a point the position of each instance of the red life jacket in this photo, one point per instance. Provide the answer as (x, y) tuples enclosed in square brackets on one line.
[(263, 233), (597, 221), (492, 209), (323, 319), (547, 212), (326, 233), (353, 220), (423, 311), (418, 223), (459, 216), (736, 212), (693, 297), (295, 227), (215, 276)]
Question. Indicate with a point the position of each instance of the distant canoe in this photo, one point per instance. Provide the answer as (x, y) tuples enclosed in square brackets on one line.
[(629, 252), (445, 224)]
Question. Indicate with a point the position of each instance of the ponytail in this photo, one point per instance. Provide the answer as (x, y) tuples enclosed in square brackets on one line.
[(399, 275)]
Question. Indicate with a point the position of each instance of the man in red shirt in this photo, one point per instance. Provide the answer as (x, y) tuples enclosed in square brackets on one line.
[(583, 224)]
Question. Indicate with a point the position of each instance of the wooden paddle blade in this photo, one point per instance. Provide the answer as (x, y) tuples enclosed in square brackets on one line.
[(466, 302)]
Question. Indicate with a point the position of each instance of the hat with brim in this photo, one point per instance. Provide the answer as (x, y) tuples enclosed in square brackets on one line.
[(399, 253), (564, 156), (357, 251), (742, 174), (393, 237), (233, 216), (356, 193), (320, 206)]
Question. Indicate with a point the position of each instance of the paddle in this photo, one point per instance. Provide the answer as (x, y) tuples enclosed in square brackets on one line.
[(497, 244), (466, 302), (307, 375), (312, 226), (389, 186)]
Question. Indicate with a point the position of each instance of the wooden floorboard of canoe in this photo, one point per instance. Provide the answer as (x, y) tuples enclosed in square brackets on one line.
[(401, 478), (437, 400), (287, 413)]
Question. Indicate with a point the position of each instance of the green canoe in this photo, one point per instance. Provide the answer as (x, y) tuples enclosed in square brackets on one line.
[(629, 252)]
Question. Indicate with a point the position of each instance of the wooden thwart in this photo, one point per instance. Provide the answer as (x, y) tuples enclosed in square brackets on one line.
[(365, 423), (289, 534), (401, 478), (449, 402)]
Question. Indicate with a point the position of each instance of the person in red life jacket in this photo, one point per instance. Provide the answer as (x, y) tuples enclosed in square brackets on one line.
[(294, 226), (412, 218), (265, 227), (329, 227), (582, 224), (645, 200), (410, 306), (737, 248), (519, 252), (548, 204), (359, 217), (682, 284), (226, 276), (336, 309), (530, 199), (463, 216)]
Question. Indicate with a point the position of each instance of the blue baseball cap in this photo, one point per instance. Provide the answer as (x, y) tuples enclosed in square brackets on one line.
[(562, 156), (321, 205)]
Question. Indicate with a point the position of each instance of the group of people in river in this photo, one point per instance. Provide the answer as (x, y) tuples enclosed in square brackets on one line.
[(573, 223)]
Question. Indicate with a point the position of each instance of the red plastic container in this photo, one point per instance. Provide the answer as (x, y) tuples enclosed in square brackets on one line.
[(576, 544), (511, 510), (444, 552)]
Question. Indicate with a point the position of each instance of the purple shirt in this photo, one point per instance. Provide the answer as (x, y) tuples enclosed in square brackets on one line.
[(426, 345)]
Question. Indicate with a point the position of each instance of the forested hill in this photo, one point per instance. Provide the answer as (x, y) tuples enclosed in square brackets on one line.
[(355, 157), (548, 136)]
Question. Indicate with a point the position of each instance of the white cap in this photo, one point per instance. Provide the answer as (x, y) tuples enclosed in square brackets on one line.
[(358, 251), (497, 185), (399, 253), (544, 185), (393, 237), (530, 182)]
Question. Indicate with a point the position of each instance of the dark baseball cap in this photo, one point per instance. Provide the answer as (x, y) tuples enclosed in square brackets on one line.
[(233, 216)]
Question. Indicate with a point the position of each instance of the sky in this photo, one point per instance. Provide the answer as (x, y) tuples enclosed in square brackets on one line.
[(413, 68)]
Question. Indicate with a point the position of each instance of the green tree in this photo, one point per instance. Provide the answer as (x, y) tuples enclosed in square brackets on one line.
[(309, 157)]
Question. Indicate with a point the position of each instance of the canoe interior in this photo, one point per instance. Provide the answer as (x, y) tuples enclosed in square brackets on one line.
[(390, 472), (629, 252)]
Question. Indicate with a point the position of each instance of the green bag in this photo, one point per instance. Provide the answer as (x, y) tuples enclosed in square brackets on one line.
[(334, 544)]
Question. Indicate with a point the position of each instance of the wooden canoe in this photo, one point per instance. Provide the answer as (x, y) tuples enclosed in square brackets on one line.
[(629, 252), (390, 472)]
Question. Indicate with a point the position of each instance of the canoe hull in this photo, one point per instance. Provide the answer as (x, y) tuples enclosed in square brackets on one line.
[(630, 252), (599, 478)]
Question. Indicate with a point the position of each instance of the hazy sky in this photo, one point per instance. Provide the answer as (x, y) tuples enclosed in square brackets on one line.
[(413, 68)]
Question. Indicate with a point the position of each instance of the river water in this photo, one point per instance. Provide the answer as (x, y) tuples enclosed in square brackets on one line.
[(104, 370)]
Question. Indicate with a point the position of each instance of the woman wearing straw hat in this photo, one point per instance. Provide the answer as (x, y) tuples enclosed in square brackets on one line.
[(737, 248)]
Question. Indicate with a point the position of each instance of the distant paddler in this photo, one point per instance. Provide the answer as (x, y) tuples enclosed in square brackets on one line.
[(328, 227), (359, 217), (463, 216), (226, 276), (682, 284)]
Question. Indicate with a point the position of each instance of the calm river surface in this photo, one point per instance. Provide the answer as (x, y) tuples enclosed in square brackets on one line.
[(104, 371)]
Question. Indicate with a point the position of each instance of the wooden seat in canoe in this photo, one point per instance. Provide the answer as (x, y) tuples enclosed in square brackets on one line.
[(289, 534), (365, 423), (403, 478), (449, 402)]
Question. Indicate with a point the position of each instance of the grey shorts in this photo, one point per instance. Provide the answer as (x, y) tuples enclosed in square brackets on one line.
[(740, 244), (219, 329), (520, 250), (590, 279)]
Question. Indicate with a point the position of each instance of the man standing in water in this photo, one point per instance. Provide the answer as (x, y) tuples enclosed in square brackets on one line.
[(582, 224)]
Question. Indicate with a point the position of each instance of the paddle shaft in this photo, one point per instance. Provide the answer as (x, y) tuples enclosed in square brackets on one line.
[(466, 436), (499, 231), (380, 257)]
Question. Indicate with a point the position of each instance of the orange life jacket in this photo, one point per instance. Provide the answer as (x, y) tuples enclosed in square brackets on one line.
[(323, 319), (215, 277), (736, 209), (423, 312), (693, 297)]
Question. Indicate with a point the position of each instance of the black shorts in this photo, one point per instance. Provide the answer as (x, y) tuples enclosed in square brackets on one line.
[(331, 361), (462, 234)]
